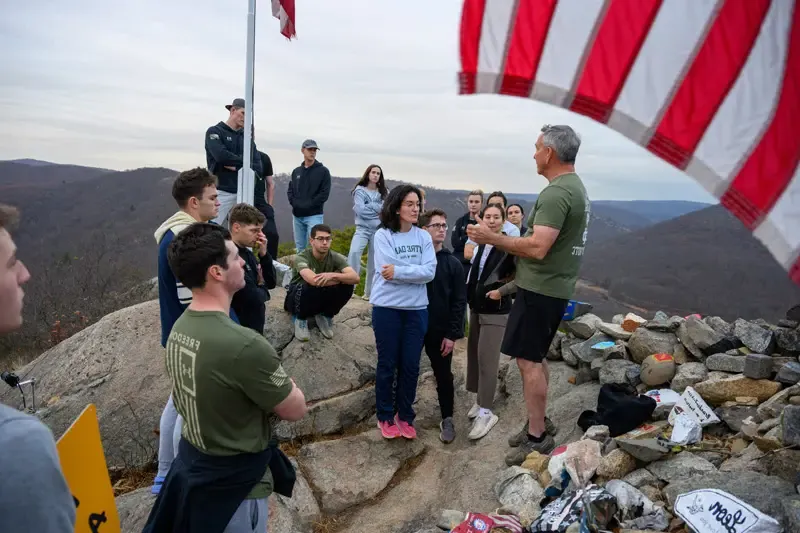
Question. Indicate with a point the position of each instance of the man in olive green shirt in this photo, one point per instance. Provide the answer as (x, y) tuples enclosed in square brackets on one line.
[(550, 256), (227, 380)]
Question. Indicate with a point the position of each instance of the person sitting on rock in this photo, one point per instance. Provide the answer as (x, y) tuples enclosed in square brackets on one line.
[(259, 275), (323, 283), (491, 269), (447, 302), (34, 495), (227, 383), (405, 257)]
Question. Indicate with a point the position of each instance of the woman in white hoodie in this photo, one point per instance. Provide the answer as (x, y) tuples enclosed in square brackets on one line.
[(406, 261), (368, 196)]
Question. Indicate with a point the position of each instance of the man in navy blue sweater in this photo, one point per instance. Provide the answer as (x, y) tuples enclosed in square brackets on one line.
[(195, 192)]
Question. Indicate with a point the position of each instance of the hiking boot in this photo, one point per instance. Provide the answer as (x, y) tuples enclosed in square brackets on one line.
[(325, 326), (518, 438), (447, 430), (517, 455), (482, 425), (474, 411), (158, 482), (406, 430), (389, 429), (301, 330)]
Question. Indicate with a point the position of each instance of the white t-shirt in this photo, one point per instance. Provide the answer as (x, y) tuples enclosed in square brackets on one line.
[(486, 251)]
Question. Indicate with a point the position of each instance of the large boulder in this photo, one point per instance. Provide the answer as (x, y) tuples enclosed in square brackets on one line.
[(718, 391), (133, 508), (754, 337), (352, 470)]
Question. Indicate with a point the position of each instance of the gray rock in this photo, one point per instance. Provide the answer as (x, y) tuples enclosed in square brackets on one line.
[(774, 406), (714, 458), (758, 366), (781, 463), (302, 503), (331, 416), (614, 331), (618, 319), (719, 325), (767, 425), (756, 338), (790, 514), (734, 415), (789, 374), (762, 492), (566, 350), (641, 477), (519, 492), (584, 374), (682, 465), (789, 324), (596, 365), (633, 375), (583, 327), (726, 363), (644, 343), (597, 433), (688, 374), (554, 353), (791, 426), (789, 341), (133, 508), (615, 371), (584, 351), (618, 351), (701, 334), (744, 461), (645, 450), (352, 470), (450, 519)]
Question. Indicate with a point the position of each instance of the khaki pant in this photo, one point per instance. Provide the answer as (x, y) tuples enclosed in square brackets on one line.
[(483, 355)]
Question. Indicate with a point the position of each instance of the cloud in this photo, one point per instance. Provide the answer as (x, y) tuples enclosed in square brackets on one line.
[(129, 84)]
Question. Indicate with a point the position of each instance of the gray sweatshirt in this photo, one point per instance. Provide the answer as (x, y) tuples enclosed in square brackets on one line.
[(367, 206), (34, 495)]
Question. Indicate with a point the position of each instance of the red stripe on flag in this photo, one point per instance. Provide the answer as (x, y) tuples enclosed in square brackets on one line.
[(708, 81), (619, 39), (794, 272), (471, 24), (769, 169), (528, 36)]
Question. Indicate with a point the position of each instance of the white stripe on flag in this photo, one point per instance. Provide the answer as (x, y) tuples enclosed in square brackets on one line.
[(741, 119), (677, 33), (780, 230), (568, 40), (495, 33)]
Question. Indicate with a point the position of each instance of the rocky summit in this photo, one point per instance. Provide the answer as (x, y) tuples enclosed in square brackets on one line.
[(742, 378)]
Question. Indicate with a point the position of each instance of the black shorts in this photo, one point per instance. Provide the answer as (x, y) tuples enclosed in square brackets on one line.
[(532, 325)]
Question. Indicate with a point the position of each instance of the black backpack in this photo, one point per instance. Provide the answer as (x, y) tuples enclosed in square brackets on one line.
[(620, 408)]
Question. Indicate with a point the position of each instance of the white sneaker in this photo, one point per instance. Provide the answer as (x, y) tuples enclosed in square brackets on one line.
[(365, 298), (325, 326), (301, 330), (473, 411), (482, 426)]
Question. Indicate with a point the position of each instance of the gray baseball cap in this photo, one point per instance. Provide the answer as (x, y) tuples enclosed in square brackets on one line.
[(310, 143), (237, 102)]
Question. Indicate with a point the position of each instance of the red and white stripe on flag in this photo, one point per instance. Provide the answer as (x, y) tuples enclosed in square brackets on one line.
[(710, 86), (283, 10)]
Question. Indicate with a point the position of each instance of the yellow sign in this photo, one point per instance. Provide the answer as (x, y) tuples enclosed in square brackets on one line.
[(84, 464)]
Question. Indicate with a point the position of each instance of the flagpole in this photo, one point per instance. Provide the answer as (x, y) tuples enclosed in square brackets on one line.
[(246, 175)]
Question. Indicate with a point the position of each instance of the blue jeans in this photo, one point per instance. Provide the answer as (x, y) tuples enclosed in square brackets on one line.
[(363, 238), (399, 336), (302, 230)]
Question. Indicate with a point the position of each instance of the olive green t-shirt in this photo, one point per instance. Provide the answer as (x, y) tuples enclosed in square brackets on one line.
[(333, 262), (563, 205), (226, 381)]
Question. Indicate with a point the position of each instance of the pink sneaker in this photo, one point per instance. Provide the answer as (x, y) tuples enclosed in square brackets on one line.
[(389, 429), (405, 429)]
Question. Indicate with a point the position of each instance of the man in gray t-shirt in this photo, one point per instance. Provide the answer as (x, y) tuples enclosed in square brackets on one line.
[(34, 495)]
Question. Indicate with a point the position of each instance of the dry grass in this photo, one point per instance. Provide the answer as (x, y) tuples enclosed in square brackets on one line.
[(125, 480), (292, 448)]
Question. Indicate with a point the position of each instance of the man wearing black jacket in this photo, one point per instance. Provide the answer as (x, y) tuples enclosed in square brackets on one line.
[(250, 301), (447, 302), (224, 153), (308, 191), (459, 237)]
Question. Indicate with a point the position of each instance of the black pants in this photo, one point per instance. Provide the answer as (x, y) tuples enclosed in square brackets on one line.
[(304, 300), (441, 371), (270, 228)]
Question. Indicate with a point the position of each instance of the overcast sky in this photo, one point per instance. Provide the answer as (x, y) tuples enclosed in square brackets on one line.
[(134, 83)]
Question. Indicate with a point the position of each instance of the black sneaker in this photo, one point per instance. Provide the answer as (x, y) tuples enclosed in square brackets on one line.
[(447, 433), (517, 456)]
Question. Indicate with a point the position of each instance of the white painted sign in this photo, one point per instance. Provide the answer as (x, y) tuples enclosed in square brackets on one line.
[(716, 511), (692, 404)]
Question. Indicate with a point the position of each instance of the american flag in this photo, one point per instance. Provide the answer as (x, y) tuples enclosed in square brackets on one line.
[(710, 86), (283, 10)]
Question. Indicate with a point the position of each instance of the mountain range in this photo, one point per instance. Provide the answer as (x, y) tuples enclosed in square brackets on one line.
[(682, 257)]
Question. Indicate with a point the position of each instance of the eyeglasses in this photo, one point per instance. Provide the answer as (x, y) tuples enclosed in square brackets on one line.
[(437, 226), (322, 239)]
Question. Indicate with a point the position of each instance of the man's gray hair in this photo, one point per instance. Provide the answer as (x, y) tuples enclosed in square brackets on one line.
[(563, 140)]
